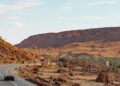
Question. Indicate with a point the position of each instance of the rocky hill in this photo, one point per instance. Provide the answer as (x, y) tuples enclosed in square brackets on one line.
[(63, 38), (12, 54), (100, 42)]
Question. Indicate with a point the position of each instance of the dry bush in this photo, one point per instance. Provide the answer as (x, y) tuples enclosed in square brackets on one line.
[(76, 84), (107, 77)]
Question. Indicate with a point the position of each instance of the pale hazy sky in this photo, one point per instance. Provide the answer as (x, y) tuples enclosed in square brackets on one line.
[(22, 18)]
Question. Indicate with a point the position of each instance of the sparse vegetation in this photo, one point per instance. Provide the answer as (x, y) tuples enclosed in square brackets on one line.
[(71, 71), (12, 54), (112, 62)]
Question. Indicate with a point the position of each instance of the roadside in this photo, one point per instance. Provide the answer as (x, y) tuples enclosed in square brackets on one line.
[(10, 69)]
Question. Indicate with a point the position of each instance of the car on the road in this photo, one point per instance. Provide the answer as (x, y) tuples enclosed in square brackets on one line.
[(9, 78)]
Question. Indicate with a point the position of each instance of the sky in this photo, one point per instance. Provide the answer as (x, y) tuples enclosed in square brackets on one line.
[(20, 19)]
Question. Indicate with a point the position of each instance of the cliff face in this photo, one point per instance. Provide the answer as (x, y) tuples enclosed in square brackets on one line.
[(68, 37), (12, 54)]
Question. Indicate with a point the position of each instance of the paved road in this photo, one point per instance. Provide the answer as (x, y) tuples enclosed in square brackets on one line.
[(5, 70)]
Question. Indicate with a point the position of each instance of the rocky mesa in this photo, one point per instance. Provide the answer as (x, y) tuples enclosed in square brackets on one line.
[(97, 42), (67, 37)]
